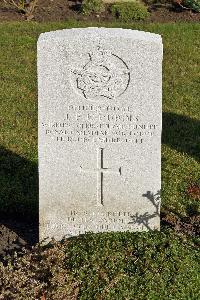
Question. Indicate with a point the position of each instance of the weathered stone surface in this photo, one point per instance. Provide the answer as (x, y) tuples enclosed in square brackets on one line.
[(99, 130)]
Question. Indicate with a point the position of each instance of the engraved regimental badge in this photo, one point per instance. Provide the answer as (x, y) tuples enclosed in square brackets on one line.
[(104, 77)]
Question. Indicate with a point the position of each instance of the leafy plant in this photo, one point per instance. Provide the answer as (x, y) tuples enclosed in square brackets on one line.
[(128, 12), (192, 4), (90, 6), (26, 7)]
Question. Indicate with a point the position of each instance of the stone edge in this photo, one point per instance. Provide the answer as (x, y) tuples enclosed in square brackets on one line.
[(101, 31)]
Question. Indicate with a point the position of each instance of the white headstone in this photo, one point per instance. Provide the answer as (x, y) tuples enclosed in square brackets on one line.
[(100, 96)]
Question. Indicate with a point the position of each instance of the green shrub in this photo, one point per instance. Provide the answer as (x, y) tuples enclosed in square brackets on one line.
[(153, 265), (127, 11), (90, 6), (193, 4)]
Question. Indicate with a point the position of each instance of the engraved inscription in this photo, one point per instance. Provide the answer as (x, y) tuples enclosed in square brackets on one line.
[(80, 222), (100, 124), (104, 77), (100, 170)]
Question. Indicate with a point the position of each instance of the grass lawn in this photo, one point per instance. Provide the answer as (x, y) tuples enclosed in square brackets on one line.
[(104, 266)]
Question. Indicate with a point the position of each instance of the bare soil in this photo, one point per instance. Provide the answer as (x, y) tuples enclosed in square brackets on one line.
[(63, 10), (189, 226), (16, 234)]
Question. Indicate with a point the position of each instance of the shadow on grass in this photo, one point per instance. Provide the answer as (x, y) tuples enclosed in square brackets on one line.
[(144, 219), (182, 134), (19, 195)]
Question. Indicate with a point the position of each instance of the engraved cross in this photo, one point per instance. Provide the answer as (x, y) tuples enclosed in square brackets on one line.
[(100, 170)]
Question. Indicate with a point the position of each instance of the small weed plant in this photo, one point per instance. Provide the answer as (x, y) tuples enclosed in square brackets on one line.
[(92, 6), (128, 11), (26, 7)]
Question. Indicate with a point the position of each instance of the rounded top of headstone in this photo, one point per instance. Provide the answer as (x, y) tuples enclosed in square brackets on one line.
[(101, 32)]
